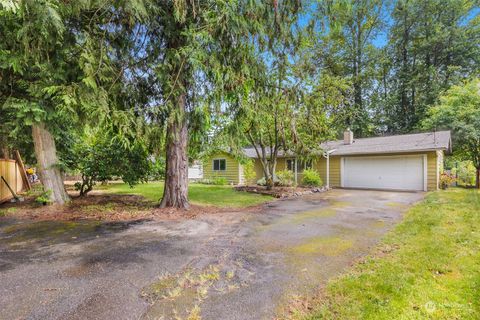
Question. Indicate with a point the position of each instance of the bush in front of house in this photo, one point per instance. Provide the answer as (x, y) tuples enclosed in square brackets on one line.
[(446, 180), (249, 171), (311, 178), (218, 181), (285, 178), (263, 182)]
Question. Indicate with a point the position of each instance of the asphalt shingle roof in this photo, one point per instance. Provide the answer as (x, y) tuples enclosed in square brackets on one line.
[(439, 140)]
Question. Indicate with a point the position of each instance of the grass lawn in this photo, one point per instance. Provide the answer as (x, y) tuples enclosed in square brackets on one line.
[(427, 268), (201, 194)]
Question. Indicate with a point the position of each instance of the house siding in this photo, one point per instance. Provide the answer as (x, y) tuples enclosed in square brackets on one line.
[(231, 172)]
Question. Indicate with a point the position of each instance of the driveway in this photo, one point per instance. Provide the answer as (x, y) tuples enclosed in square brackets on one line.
[(224, 266)]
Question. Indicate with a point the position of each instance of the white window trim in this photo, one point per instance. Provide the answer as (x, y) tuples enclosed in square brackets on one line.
[(213, 164)]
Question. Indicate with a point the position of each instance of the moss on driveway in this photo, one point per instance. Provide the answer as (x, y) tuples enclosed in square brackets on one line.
[(427, 268)]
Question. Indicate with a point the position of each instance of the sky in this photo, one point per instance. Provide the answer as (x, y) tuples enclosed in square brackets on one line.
[(382, 38)]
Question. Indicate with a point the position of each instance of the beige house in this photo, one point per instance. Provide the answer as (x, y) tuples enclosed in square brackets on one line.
[(411, 162)]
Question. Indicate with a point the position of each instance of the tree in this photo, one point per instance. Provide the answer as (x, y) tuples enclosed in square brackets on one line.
[(433, 45), (345, 48), (459, 111), (195, 58), (55, 64), (99, 157)]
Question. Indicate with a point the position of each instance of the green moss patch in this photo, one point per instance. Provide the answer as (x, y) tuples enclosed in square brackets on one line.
[(322, 213), (327, 246), (428, 267)]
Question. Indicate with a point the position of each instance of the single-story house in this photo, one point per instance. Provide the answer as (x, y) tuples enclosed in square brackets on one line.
[(410, 162)]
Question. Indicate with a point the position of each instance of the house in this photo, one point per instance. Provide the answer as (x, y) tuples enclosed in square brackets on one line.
[(410, 162)]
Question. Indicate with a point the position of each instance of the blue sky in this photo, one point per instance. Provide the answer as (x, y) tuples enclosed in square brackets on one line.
[(382, 38)]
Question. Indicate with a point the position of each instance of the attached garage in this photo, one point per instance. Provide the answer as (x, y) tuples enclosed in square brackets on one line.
[(411, 162), (407, 172)]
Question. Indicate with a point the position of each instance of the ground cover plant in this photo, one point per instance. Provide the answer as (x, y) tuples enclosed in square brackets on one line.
[(428, 267)]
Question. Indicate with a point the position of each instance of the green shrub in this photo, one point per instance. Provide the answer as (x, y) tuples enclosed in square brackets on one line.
[(220, 181), (466, 173), (249, 171), (263, 182), (311, 178), (205, 181), (44, 197), (285, 178)]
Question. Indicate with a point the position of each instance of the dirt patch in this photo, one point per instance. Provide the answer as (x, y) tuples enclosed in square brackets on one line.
[(106, 207)]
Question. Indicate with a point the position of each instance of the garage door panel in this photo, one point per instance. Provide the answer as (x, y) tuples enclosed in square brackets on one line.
[(401, 173)]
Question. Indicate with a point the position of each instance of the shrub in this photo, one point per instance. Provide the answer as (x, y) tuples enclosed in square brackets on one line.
[(285, 178), (220, 181), (249, 172), (311, 178), (101, 158), (466, 173), (205, 181), (263, 181), (44, 197), (446, 180)]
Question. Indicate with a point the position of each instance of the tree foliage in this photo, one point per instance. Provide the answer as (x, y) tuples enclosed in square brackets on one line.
[(459, 111), (100, 158)]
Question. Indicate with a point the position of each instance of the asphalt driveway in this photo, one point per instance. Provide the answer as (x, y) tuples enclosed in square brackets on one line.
[(224, 266)]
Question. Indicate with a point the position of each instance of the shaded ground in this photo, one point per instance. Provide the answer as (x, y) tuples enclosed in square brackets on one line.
[(241, 265), (100, 206)]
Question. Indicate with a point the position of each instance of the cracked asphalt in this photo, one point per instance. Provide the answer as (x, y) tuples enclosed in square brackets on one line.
[(222, 266)]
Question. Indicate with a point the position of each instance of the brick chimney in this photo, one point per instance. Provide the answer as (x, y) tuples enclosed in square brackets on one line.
[(348, 136)]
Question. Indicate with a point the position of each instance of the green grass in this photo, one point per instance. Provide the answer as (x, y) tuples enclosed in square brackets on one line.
[(428, 267), (201, 194)]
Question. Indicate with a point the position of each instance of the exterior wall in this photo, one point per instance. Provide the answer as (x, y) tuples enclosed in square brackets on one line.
[(231, 172), (434, 167), (11, 172)]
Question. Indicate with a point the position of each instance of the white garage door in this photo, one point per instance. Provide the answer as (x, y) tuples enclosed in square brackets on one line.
[(397, 173)]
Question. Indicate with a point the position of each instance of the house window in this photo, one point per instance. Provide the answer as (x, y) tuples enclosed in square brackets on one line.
[(307, 164), (291, 164), (219, 165)]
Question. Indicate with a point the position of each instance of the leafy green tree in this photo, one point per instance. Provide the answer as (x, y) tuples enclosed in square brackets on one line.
[(100, 157), (433, 44), (345, 48), (55, 67), (196, 57), (459, 111)]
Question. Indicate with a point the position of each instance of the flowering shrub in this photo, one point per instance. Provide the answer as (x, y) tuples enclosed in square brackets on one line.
[(446, 180)]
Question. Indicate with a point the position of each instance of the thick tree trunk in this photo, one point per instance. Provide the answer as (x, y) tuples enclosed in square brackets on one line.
[(47, 160), (176, 174), (477, 181), (4, 150)]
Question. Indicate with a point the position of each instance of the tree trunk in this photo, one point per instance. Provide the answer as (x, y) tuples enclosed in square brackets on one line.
[(477, 181), (47, 160), (4, 150), (176, 174)]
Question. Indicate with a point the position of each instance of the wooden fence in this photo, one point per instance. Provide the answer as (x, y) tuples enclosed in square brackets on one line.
[(14, 173)]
